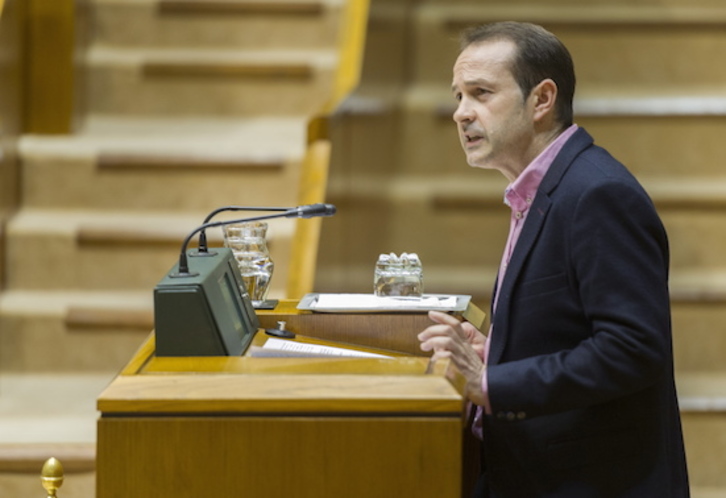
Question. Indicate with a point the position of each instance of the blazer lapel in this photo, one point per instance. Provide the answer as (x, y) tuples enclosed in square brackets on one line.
[(526, 242)]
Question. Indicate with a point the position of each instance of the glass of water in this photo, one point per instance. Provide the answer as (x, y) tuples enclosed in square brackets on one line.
[(398, 276), (248, 242)]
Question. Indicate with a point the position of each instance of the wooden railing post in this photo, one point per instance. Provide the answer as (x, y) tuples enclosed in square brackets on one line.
[(49, 82)]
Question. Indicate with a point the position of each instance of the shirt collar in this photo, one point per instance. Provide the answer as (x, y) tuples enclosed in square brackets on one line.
[(519, 195)]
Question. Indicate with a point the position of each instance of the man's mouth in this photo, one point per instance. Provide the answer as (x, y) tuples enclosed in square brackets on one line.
[(472, 138)]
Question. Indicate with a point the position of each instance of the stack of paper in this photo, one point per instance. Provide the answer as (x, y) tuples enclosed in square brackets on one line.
[(371, 303)]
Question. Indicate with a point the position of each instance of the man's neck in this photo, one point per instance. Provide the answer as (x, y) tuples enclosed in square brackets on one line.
[(541, 141)]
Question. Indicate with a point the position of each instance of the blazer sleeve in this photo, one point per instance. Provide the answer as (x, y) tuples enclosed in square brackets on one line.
[(617, 260)]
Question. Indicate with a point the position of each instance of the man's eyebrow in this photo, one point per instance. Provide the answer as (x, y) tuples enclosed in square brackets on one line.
[(476, 82)]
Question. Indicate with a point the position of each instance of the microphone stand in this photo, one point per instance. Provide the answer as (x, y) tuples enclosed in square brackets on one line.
[(183, 262), (202, 249), (306, 211)]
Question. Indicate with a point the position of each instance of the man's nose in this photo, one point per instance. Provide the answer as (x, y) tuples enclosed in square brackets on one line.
[(463, 112)]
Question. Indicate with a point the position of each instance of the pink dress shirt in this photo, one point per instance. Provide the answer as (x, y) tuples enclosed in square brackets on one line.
[(519, 196)]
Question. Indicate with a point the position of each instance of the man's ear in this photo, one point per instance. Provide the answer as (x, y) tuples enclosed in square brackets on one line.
[(544, 96)]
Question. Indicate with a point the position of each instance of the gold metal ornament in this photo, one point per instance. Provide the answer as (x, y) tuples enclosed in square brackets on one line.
[(51, 476)]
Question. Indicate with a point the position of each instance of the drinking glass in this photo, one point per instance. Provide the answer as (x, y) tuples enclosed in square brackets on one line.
[(248, 242)]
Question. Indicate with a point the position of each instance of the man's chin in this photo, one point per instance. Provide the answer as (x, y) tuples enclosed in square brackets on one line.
[(477, 162)]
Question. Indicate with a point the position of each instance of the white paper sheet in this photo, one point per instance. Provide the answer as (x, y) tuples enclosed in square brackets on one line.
[(371, 302), (280, 347)]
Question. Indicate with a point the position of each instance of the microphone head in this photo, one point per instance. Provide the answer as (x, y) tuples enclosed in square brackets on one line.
[(329, 210), (312, 211)]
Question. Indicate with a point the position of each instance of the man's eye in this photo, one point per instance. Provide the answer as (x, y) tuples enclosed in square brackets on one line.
[(457, 97), (481, 91)]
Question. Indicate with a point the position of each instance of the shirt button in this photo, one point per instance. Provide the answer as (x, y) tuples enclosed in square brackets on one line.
[(518, 215), (521, 416), (511, 416)]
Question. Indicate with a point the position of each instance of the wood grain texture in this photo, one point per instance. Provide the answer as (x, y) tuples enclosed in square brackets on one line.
[(275, 457), (281, 393)]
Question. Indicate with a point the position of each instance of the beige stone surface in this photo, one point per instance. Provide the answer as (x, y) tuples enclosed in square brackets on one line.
[(22, 485), (137, 23)]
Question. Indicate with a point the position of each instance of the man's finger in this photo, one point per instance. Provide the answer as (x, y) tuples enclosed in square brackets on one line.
[(444, 318)]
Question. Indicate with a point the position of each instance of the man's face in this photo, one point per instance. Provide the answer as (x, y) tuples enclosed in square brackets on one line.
[(494, 120)]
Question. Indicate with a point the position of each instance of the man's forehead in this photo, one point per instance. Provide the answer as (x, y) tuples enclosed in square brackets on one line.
[(483, 61), (485, 53)]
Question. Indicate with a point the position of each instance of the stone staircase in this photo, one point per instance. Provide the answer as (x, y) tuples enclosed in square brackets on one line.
[(184, 106), (648, 89)]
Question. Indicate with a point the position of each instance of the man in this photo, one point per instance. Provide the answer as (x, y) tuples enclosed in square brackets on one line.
[(574, 385)]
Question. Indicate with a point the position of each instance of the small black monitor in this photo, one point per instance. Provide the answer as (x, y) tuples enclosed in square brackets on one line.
[(207, 313)]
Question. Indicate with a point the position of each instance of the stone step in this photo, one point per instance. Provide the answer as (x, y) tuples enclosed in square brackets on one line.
[(21, 465), (554, 8), (45, 415), (672, 135), (45, 332), (708, 492), (613, 46), (94, 250), (207, 82), (26, 457), (165, 164), (47, 408), (703, 410), (387, 44), (468, 208), (215, 24)]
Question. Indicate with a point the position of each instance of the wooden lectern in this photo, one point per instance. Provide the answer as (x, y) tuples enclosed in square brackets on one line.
[(213, 427)]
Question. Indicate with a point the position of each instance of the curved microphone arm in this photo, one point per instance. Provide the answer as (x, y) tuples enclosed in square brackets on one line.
[(202, 247), (307, 211)]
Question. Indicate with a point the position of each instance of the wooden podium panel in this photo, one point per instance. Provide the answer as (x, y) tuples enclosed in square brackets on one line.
[(265, 456), (282, 427)]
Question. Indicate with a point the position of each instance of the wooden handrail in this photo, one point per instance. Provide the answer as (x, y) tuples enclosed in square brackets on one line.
[(350, 53), (307, 232)]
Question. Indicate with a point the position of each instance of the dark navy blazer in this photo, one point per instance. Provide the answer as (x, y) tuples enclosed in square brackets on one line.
[(580, 368)]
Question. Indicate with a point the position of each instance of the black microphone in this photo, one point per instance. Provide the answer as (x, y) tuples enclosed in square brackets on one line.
[(312, 211), (307, 211)]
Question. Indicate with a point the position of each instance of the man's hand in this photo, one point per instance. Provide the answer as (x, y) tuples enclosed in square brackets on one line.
[(461, 342)]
